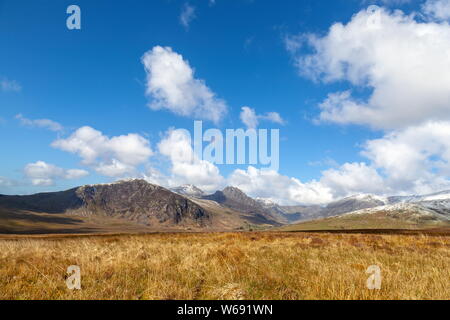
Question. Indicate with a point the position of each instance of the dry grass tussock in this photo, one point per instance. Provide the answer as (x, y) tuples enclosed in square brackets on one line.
[(227, 266)]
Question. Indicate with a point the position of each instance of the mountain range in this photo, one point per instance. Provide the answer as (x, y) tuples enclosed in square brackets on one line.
[(139, 206), (373, 212)]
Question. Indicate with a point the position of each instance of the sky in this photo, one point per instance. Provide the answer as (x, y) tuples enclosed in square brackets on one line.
[(359, 91)]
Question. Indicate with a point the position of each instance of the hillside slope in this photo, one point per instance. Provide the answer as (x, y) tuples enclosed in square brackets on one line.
[(132, 205), (234, 198), (136, 200), (397, 216)]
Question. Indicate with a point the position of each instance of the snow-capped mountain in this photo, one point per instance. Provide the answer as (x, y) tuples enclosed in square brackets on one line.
[(413, 212), (353, 203), (266, 202), (438, 197), (438, 202), (189, 190), (430, 207), (278, 211)]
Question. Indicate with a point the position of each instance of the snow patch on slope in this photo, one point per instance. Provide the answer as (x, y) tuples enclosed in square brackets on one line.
[(189, 190)]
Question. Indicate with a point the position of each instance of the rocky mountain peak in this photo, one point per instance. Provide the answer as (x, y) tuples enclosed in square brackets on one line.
[(235, 193), (134, 200), (140, 201)]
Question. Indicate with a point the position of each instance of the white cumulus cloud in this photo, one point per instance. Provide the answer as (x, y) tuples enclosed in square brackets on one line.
[(117, 156), (353, 178), (186, 167), (171, 85), (415, 159), (251, 119), (282, 189), (398, 58), (43, 174), (437, 9)]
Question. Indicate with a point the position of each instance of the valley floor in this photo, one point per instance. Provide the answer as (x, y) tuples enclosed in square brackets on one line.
[(258, 265)]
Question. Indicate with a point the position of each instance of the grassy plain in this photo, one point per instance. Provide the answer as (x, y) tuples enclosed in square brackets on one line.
[(256, 265)]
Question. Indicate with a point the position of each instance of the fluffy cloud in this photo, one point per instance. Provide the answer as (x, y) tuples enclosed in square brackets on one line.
[(187, 15), (9, 85), (349, 179), (171, 85), (414, 159), (251, 119), (353, 178), (43, 174), (400, 59), (155, 176), (115, 168), (282, 189), (437, 9), (186, 167), (40, 123), (114, 157)]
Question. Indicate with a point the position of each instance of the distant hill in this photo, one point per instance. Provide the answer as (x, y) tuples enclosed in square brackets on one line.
[(299, 213), (139, 206), (136, 204), (135, 200), (404, 213), (437, 202), (236, 199)]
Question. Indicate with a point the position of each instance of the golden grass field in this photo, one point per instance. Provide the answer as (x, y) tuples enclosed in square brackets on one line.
[(258, 265)]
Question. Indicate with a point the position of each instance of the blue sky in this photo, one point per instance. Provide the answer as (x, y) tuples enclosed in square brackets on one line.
[(95, 77)]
